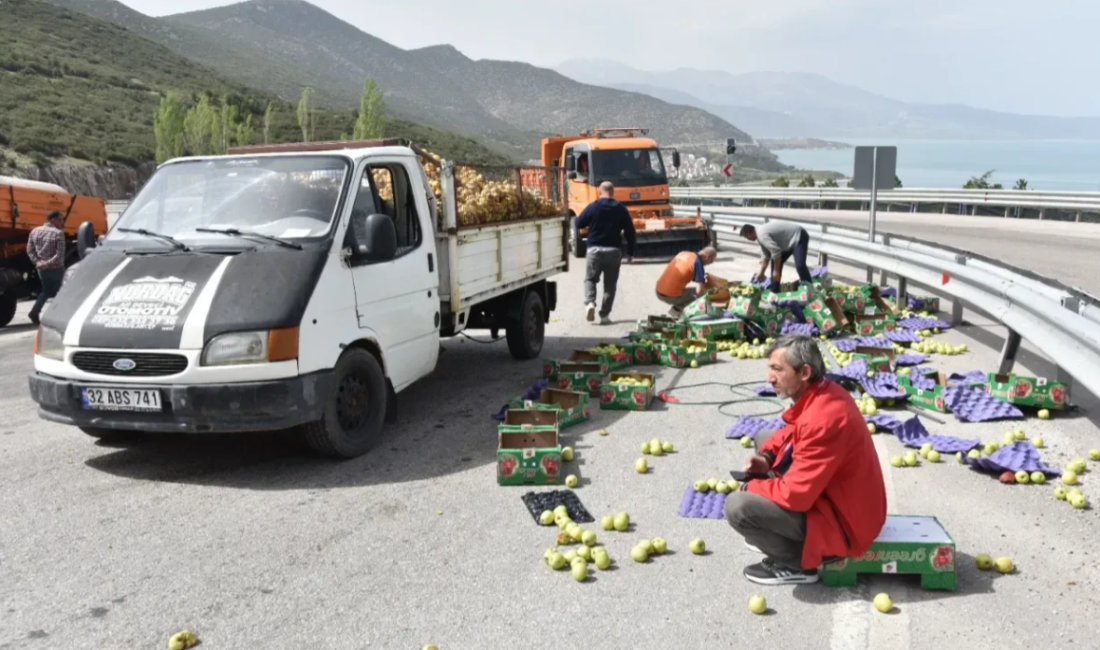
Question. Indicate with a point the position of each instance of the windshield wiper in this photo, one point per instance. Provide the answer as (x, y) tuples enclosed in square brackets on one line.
[(233, 232), (177, 244)]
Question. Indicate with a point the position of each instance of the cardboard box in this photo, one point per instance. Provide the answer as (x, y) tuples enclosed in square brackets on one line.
[(628, 397), (771, 319), (704, 307), (712, 329), (906, 545), (656, 333), (826, 314), (718, 288), (858, 301), (667, 322), (576, 375), (745, 300), (572, 407), (529, 449), (930, 399), (677, 354), (1027, 391), (617, 355), (871, 324), (550, 366), (878, 359), (641, 353), (795, 291)]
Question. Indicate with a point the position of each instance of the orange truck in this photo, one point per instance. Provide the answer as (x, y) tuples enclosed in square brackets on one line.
[(634, 164), (24, 205)]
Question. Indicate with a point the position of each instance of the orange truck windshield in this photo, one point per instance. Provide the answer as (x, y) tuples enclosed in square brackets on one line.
[(629, 167)]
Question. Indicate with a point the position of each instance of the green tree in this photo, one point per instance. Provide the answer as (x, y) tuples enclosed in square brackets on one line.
[(244, 131), (201, 127), (807, 181), (371, 123), (831, 182), (897, 181), (1021, 184), (269, 117), (305, 115), (227, 130), (982, 182), (781, 182), (168, 127)]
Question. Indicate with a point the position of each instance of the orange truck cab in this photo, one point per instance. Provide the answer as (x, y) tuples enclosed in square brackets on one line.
[(24, 206), (635, 165)]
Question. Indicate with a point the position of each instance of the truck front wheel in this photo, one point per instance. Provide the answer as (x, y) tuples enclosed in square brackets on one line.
[(8, 305), (354, 410), (525, 334)]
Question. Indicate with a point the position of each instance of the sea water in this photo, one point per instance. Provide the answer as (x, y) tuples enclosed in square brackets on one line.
[(1062, 165)]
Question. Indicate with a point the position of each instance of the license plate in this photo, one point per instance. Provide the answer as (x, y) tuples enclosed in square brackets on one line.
[(120, 399)]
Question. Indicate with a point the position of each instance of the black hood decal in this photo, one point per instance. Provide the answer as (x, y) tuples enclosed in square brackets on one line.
[(182, 299)]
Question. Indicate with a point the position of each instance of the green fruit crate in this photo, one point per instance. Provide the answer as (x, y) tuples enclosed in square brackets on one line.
[(914, 545), (575, 375), (717, 328), (573, 407), (528, 448), (1037, 392), (630, 396), (685, 352)]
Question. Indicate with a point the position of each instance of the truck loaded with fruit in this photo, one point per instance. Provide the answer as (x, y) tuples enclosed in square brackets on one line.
[(24, 206), (295, 286), (634, 165)]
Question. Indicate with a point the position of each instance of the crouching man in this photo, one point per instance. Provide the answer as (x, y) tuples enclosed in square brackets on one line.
[(815, 490)]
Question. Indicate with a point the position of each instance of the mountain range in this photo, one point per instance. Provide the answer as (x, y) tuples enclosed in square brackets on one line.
[(788, 104), (281, 46)]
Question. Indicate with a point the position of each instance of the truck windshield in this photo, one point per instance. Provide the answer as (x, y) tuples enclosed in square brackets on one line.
[(290, 197), (629, 167)]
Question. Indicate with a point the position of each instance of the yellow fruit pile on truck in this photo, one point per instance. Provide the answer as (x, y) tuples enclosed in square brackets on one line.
[(292, 286), (634, 164)]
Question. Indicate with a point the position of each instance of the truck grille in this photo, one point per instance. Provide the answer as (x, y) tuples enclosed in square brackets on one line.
[(145, 364)]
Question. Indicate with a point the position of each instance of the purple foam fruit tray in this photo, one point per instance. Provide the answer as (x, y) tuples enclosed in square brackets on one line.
[(883, 422), (849, 345), (803, 329), (911, 359), (972, 377), (975, 405), (912, 433), (699, 505), (902, 336), (751, 426), (1019, 456), (919, 323), (533, 393), (765, 390)]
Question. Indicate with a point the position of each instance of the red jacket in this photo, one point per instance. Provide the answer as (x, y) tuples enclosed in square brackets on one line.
[(833, 475)]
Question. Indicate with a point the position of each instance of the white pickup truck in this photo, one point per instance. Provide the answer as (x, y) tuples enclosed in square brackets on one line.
[(283, 287)]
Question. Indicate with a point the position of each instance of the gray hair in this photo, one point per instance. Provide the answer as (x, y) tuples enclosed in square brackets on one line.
[(709, 253), (800, 351), (608, 187)]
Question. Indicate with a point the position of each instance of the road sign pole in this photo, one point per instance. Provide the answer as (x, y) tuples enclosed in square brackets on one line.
[(874, 195)]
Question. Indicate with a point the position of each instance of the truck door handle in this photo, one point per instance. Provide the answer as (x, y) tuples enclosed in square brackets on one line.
[(431, 264)]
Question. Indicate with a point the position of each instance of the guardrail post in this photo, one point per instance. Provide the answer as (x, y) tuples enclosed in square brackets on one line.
[(882, 277), (956, 304), (1061, 374), (1080, 213), (1008, 352), (903, 293), (1042, 213), (823, 258)]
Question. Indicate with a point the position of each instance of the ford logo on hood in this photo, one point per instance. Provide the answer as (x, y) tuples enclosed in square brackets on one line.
[(124, 364)]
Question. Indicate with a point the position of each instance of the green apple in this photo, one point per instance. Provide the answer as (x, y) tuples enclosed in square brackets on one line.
[(647, 545), (585, 553), (645, 447), (701, 486), (607, 523), (641, 466), (959, 457), (654, 444), (974, 453), (871, 408), (603, 432), (580, 569), (1094, 454), (1020, 435), (1023, 477), (883, 603), (567, 454), (697, 546), (925, 448), (601, 558), (562, 521), (1003, 565), (1038, 442), (588, 538), (746, 442), (712, 483), (983, 561), (1079, 501), (660, 545), (570, 556), (558, 561), (1078, 465), (1069, 477), (734, 484), (666, 446), (546, 518), (622, 521), (722, 488), (561, 510), (991, 448), (639, 554), (575, 532), (758, 604), (897, 461), (1044, 414), (1038, 478), (655, 450), (910, 459), (1060, 493), (871, 428), (571, 480), (933, 456), (1009, 438)]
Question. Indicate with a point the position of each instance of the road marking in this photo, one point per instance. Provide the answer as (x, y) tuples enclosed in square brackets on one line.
[(856, 623)]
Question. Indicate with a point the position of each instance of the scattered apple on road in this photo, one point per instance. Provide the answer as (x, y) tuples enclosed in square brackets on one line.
[(983, 561), (883, 603), (1004, 565), (758, 604), (697, 546)]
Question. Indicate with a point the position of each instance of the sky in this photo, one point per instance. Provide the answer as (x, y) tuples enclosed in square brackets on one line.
[(1017, 56)]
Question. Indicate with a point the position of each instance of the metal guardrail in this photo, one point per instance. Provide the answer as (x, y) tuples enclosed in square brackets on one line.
[(1073, 202), (1062, 322)]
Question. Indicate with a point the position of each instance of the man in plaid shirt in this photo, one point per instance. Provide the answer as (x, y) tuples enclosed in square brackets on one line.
[(46, 248)]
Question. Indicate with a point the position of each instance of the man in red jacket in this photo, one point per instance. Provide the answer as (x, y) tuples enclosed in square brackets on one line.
[(816, 491)]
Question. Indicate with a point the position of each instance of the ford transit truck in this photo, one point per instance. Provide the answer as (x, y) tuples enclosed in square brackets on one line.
[(289, 287)]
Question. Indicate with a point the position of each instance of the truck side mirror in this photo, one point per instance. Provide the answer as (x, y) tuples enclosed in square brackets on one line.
[(572, 176), (676, 159), (85, 239), (374, 237)]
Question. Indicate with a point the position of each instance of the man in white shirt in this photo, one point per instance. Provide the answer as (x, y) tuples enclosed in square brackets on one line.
[(778, 241)]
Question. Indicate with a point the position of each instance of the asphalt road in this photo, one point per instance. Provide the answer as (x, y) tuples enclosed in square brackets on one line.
[(1066, 251), (251, 543)]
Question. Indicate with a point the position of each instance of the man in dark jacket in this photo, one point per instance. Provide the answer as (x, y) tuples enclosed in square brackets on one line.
[(608, 223)]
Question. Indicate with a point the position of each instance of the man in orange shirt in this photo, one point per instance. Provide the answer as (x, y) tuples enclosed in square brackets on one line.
[(685, 268), (815, 490)]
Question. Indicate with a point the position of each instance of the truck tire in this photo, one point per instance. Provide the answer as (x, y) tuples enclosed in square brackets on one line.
[(525, 334), (354, 410), (577, 245), (8, 304)]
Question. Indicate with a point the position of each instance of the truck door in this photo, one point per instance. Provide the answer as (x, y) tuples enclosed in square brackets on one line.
[(399, 300)]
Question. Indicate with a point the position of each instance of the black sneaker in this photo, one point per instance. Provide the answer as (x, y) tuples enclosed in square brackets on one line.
[(770, 573)]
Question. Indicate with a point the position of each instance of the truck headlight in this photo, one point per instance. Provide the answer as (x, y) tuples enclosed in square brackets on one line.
[(262, 346), (49, 343)]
